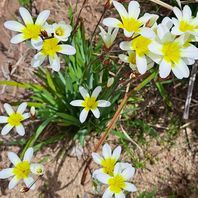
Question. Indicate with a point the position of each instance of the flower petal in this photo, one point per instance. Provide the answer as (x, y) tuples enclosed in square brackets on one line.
[(97, 158), (103, 103), (125, 45), (164, 69), (83, 115), (134, 9), (20, 130), (141, 64), (107, 193), (27, 18), (96, 91), (14, 26), (187, 13), (116, 152), (26, 116), (76, 103), (37, 169), (22, 107), (106, 151), (14, 181), (84, 93), (103, 178), (5, 173), (37, 43), (111, 22), (177, 12), (96, 112), (121, 9), (42, 17), (130, 187), (13, 157), (28, 154), (120, 195), (38, 59), (8, 108), (96, 172), (67, 49), (155, 48), (17, 39), (128, 172), (6, 129), (3, 119), (118, 168), (190, 52), (28, 182), (55, 63)]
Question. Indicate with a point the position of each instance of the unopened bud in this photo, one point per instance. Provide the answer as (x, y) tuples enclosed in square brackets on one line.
[(110, 82), (33, 111)]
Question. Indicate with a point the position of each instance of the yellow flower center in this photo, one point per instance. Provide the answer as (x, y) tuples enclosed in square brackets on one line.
[(116, 183), (50, 47), (184, 26), (171, 52), (140, 45), (108, 165), (59, 31), (130, 24), (31, 31), (132, 58), (22, 170), (15, 119), (90, 103)]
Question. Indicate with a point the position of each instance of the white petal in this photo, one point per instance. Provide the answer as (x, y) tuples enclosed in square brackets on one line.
[(117, 169), (120, 8), (67, 49), (164, 69), (155, 48), (96, 172), (103, 103), (22, 107), (125, 45), (83, 115), (177, 12), (20, 130), (123, 58), (14, 25), (27, 18), (106, 151), (13, 157), (84, 93), (97, 158), (128, 173), (134, 9), (107, 193), (38, 59), (124, 165), (120, 195), (190, 52), (55, 63), (14, 181), (111, 22), (3, 119), (6, 129), (187, 13), (147, 32), (8, 108), (76, 103), (130, 187), (42, 17), (28, 154), (17, 39), (141, 64), (37, 43), (5, 173), (28, 182), (189, 61), (26, 116), (116, 152), (177, 72), (103, 178), (96, 112), (184, 69), (96, 91), (128, 34)]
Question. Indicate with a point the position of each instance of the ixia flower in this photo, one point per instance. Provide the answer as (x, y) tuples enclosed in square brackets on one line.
[(118, 182), (50, 48), (172, 53), (108, 160), (185, 22), (30, 30), (90, 103), (109, 36), (14, 119), (22, 170), (130, 22)]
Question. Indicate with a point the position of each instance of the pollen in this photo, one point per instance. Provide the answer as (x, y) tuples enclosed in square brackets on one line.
[(31, 31), (22, 170), (59, 31), (50, 47), (140, 45), (184, 26), (171, 52), (108, 165), (90, 103), (130, 24), (15, 119), (116, 183)]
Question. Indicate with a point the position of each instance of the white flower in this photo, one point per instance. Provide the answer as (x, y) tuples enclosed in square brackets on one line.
[(30, 30), (185, 22), (50, 48), (108, 160), (61, 30), (14, 119), (130, 22), (118, 182), (109, 36), (90, 103), (20, 171), (131, 59), (172, 53), (37, 169)]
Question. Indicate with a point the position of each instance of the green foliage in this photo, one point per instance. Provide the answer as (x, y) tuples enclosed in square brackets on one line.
[(25, 2), (147, 194)]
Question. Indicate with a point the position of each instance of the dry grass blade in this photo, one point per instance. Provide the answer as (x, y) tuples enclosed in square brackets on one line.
[(161, 3)]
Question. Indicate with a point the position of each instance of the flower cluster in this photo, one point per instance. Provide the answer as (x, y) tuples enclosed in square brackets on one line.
[(47, 39), (169, 44), (113, 173)]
